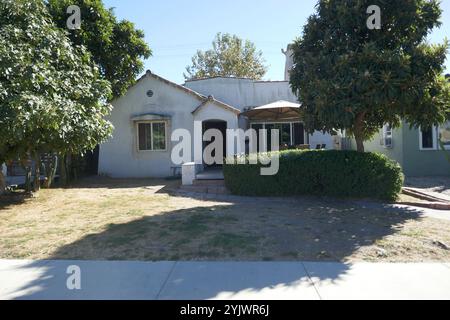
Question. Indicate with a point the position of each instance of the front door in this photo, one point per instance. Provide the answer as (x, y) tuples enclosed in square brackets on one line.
[(222, 127)]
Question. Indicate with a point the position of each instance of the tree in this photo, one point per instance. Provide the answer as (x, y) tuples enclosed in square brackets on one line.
[(229, 57), (116, 46), (348, 76), (52, 97)]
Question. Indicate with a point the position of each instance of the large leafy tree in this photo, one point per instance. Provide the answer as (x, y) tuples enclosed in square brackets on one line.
[(52, 97), (350, 77), (116, 46), (229, 57)]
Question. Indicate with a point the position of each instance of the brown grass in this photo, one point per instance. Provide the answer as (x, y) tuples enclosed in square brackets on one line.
[(140, 220)]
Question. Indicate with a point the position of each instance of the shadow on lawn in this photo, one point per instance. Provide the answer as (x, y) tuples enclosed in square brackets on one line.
[(295, 230), (95, 182), (13, 199)]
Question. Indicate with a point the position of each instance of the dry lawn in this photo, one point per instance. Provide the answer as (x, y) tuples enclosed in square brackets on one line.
[(140, 220)]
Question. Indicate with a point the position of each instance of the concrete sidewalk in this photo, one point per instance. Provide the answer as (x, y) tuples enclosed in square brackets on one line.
[(21, 279)]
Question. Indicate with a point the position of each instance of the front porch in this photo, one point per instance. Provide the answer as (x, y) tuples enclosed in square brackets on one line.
[(285, 117), (211, 173)]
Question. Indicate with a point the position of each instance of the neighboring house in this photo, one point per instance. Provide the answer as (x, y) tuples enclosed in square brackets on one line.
[(418, 151)]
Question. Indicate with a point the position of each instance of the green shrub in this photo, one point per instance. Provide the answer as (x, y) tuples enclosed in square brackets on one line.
[(328, 173)]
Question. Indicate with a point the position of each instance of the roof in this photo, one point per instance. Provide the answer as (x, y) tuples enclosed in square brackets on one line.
[(218, 103), (204, 99), (175, 85), (218, 77), (234, 78), (278, 104)]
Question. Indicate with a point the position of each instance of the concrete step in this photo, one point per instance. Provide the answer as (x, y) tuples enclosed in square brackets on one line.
[(215, 183), (196, 189), (417, 193), (205, 189)]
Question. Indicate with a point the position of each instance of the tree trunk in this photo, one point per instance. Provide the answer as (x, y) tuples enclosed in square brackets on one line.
[(37, 172), (50, 171), (358, 132), (2, 183), (28, 171), (65, 169)]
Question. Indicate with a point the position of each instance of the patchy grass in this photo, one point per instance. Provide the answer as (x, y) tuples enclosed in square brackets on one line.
[(108, 219)]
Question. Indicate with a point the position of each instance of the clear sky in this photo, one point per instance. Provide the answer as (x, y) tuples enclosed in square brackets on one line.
[(175, 29)]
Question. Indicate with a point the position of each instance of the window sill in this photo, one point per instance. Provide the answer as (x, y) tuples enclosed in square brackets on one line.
[(147, 151)]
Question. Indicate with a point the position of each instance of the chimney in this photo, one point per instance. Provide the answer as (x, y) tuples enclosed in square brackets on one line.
[(289, 61)]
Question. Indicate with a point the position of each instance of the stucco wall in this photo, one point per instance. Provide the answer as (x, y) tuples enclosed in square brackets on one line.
[(395, 152), (211, 111), (406, 150), (119, 156), (422, 162), (242, 93)]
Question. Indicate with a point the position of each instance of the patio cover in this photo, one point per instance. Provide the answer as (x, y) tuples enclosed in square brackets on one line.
[(280, 110)]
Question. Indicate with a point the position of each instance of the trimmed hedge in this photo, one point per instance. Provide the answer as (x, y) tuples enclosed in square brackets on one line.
[(326, 173)]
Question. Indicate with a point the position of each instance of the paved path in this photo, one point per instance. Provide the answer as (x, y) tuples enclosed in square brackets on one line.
[(224, 280)]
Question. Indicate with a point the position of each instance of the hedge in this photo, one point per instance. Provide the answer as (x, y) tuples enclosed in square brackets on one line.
[(326, 173)]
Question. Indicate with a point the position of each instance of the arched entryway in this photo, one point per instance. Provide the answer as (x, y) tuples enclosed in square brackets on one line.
[(220, 125)]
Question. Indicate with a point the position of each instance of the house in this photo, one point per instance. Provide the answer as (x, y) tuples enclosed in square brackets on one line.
[(418, 150), (147, 115)]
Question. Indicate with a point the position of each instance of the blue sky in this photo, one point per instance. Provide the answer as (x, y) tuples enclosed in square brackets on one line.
[(175, 29)]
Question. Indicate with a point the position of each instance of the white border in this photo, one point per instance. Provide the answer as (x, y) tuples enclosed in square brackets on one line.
[(446, 147), (434, 131), (384, 136), (151, 128)]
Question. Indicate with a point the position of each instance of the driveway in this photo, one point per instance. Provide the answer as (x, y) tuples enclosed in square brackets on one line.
[(48, 279), (434, 186)]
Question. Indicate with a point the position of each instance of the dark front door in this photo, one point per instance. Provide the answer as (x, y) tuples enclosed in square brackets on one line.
[(222, 127)]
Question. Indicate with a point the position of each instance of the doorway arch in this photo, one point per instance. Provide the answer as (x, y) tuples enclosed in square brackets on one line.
[(217, 124)]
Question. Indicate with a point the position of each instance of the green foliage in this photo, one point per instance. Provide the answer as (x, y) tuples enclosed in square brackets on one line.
[(52, 98), (229, 57), (323, 173), (116, 46), (350, 77)]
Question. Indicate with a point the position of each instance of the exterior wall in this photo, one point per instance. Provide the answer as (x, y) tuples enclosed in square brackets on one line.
[(406, 150), (321, 138), (243, 93), (422, 162), (119, 157), (395, 152), (211, 111)]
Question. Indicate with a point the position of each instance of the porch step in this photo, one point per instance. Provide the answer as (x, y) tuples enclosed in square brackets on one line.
[(211, 189), (209, 183)]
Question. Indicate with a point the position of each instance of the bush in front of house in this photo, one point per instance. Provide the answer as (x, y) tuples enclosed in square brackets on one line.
[(348, 174)]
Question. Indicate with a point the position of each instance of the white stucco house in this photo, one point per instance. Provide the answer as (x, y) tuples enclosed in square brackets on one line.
[(145, 117)]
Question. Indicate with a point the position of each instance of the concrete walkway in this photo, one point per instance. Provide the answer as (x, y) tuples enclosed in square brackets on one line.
[(21, 279)]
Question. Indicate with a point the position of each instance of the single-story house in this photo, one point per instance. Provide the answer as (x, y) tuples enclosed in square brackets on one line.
[(146, 116)]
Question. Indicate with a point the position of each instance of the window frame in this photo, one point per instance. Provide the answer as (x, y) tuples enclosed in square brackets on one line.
[(385, 136), (446, 147), (151, 122), (291, 124), (434, 132)]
